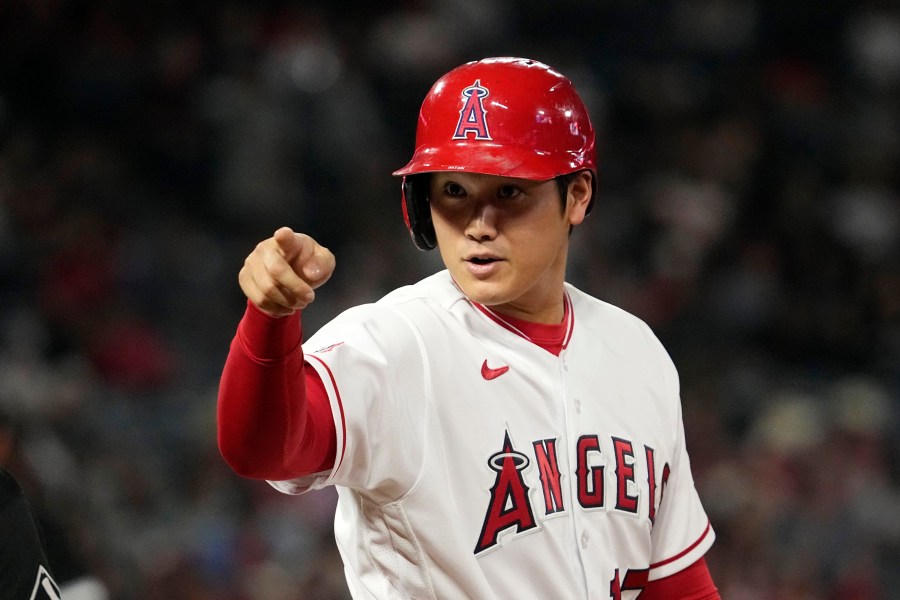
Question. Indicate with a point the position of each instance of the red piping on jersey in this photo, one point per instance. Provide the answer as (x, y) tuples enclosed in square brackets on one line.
[(568, 316), (337, 395), (570, 326), (686, 550)]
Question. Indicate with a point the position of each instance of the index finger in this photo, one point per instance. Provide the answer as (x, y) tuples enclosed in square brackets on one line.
[(293, 245)]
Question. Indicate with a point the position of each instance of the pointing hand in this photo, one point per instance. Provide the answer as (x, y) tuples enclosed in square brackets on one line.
[(279, 276)]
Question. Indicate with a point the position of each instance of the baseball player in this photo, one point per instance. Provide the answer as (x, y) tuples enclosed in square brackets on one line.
[(492, 431), (24, 569)]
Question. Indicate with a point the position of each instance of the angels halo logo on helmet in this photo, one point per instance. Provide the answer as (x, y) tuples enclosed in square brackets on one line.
[(472, 116), (506, 116)]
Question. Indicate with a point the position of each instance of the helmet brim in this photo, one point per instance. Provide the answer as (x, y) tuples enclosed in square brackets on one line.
[(504, 160)]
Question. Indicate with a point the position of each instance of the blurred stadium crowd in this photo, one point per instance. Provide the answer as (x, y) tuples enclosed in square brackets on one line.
[(749, 211)]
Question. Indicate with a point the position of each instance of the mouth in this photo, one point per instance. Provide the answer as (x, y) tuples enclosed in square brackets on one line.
[(482, 266), (482, 260)]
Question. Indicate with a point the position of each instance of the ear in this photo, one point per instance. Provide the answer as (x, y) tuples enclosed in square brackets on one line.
[(580, 194)]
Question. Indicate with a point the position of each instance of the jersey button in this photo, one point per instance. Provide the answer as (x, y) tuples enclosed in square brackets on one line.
[(577, 405), (584, 539)]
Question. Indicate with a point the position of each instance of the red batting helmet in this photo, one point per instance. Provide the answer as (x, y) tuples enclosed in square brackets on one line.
[(512, 117)]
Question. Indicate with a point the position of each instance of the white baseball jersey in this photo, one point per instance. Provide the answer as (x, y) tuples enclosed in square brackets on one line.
[(472, 463)]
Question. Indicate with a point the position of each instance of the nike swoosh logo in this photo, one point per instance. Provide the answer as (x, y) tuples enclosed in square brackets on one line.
[(489, 373)]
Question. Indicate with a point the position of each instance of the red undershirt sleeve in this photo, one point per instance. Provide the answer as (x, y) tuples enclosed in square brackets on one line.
[(692, 583), (274, 418)]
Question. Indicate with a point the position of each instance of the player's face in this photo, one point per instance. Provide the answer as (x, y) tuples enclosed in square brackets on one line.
[(505, 240)]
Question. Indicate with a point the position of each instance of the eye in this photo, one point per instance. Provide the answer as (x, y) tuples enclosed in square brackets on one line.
[(453, 189), (508, 191)]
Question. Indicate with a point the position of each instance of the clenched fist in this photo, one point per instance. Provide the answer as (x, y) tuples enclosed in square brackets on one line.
[(279, 276)]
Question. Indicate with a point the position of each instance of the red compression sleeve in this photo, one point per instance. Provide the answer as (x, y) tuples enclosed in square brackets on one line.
[(274, 417), (693, 583)]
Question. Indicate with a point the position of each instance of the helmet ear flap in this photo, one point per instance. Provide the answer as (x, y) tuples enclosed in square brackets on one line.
[(416, 212)]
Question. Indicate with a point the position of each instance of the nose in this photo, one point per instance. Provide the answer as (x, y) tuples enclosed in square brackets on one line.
[(482, 225)]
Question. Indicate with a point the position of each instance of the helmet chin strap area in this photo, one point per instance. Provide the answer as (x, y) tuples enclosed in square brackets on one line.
[(416, 212)]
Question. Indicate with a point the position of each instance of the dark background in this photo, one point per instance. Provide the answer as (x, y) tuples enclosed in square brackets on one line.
[(748, 211)]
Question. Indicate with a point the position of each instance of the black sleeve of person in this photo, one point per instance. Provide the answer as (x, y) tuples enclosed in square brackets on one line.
[(24, 570)]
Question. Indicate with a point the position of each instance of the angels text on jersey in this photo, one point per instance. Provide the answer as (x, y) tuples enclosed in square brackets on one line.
[(513, 507)]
